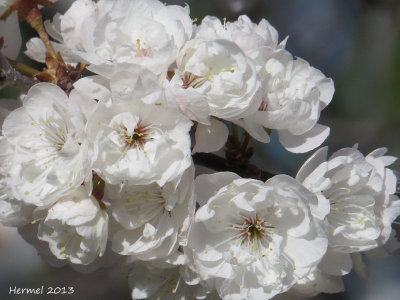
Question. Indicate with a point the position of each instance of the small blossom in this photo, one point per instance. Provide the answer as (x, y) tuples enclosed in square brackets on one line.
[(294, 95), (361, 195), (257, 41), (222, 74), (360, 191), (76, 228), (154, 219)]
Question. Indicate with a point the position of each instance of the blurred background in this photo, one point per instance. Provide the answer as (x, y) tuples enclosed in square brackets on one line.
[(357, 43)]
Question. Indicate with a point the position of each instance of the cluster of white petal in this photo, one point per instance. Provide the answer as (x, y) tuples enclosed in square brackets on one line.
[(76, 228), (141, 142), (49, 149), (294, 95), (153, 220), (234, 71), (361, 195), (106, 170), (147, 33), (254, 239), (360, 191)]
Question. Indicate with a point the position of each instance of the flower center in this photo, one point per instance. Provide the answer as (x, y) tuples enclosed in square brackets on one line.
[(137, 139), (195, 81), (252, 231), (141, 52), (191, 80)]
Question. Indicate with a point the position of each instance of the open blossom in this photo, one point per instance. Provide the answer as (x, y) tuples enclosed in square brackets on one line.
[(148, 33), (29, 233), (361, 195), (254, 239), (220, 72), (136, 135), (192, 90), (154, 218), (47, 138), (257, 41), (294, 94), (144, 143), (363, 206), (76, 228)]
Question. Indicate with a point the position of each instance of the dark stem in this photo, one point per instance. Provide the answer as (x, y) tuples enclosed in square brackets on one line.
[(11, 77), (220, 164), (235, 134), (245, 142)]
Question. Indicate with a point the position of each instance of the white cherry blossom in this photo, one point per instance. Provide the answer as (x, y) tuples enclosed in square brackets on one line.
[(143, 143), (294, 95), (148, 33), (254, 239), (109, 258), (221, 74), (257, 41), (361, 195), (363, 206), (154, 219), (48, 141), (76, 228)]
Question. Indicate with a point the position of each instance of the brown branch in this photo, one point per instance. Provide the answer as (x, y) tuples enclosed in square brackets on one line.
[(220, 164), (11, 77)]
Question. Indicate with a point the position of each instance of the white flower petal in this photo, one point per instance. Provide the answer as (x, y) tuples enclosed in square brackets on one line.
[(210, 138), (305, 142)]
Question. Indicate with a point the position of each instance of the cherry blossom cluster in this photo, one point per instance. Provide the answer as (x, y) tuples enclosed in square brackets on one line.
[(102, 173)]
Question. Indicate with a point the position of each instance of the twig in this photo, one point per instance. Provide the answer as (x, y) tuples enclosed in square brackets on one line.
[(245, 142), (23, 69), (235, 134), (11, 77), (220, 164), (34, 19)]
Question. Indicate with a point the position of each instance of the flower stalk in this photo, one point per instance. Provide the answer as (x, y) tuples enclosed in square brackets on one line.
[(35, 20)]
